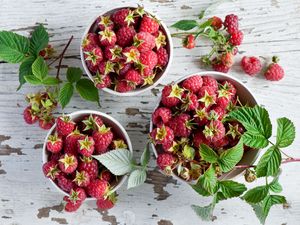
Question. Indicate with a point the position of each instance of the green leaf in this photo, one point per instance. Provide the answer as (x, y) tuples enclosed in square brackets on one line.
[(188, 152), (205, 213), (201, 15), (32, 80), (231, 188), (256, 194), (40, 68), (39, 39), (255, 140), (87, 90), (271, 200), (205, 24), (50, 81), (25, 69), (145, 158), (118, 161), (285, 132), (275, 186), (209, 180), (269, 163), (229, 158), (258, 209), (220, 197), (136, 178), (198, 187), (65, 94), (185, 24), (74, 74), (208, 154), (13, 47)]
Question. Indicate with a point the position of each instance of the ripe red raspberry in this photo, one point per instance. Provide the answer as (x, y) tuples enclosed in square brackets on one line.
[(162, 57), (161, 115), (106, 67), (105, 203), (251, 65), (231, 23), (104, 22), (46, 122), (91, 122), (217, 113), (106, 175), (134, 77), (220, 67), (189, 42), (216, 22), (70, 143), (90, 166), (274, 71), (162, 135), (189, 102), (180, 125), (211, 82), (65, 183), (98, 188), (227, 59), (86, 146), (102, 137), (54, 143), (91, 40), (236, 38), (198, 139), (50, 169), (131, 54), (227, 86), (82, 179), (165, 162), (123, 68), (113, 53), (124, 86), (67, 163), (29, 115), (125, 36), (144, 41), (148, 60), (149, 25), (71, 206), (92, 68), (201, 116), (223, 102), (102, 81), (207, 96), (214, 131), (54, 156), (64, 125), (93, 56), (75, 199), (171, 95), (123, 17), (107, 37), (221, 143), (193, 83)]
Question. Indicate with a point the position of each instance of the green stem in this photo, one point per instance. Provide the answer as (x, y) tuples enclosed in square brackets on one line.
[(280, 150), (182, 33)]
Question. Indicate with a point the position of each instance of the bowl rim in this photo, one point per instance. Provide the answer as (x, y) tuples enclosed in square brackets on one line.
[(136, 91), (207, 73), (84, 112)]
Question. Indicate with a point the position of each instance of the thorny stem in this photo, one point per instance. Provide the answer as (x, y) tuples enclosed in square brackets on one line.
[(62, 56), (288, 160)]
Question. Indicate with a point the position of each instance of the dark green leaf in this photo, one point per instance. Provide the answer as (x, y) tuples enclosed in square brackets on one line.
[(198, 187), (269, 163), (25, 69), (205, 213), (205, 24), (65, 94), (255, 140), (136, 178), (271, 200), (87, 90), (208, 154), (275, 186), (231, 188), (256, 194), (285, 132), (145, 156), (185, 24), (33, 80), (220, 197), (39, 39), (50, 81), (40, 68), (74, 74)]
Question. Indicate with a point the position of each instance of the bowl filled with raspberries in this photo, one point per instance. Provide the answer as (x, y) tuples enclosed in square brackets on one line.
[(193, 113), (68, 160), (126, 51)]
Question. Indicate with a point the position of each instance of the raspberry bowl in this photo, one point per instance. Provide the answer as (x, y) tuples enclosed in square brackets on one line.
[(126, 51), (179, 126), (83, 121)]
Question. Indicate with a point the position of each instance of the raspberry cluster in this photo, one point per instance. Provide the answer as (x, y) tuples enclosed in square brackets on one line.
[(127, 50), (70, 164), (191, 113)]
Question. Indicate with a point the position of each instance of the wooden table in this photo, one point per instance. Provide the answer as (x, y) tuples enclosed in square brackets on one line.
[(26, 197)]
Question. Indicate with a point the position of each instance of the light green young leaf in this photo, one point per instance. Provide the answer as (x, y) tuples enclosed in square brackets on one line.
[(231, 188), (50, 81), (198, 187), (136, 178), (185, 24), (269, 163), (32, 80), (74, 74), (145, 156), (25, 69), (65, 94), (40, 68), (188, 152), (205, 213), (87, 90), (208, 154), (13, 47), (256, 194), (285, 132), (118, 161), (275, 186), (229, 158), (209, 180), (39, 40), (258, 209)]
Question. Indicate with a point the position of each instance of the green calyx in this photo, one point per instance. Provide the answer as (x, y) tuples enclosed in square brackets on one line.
[(207, 99)]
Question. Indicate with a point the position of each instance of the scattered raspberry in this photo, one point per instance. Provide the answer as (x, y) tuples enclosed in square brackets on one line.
[(29, 116), (216, 22), (46, 122), (231, 23), (144, 41), (54, 143), (161, 115), (251, 65), (97, 188), (171, 95), (162, 57), (64, 125), (193, 83), (181, 125), (274, 71), (125, 36), (220, 67), (189, 42), (236, 38), (74, 201), (102, 137), (106, 203), (227, 59)]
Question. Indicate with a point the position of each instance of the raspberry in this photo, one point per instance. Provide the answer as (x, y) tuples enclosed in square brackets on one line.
[(181, 125), (50, 170), (251, 65), (235, 130), (131, 54), (162, 57), (106, 175), (227, 59), (124, 86), (74, 201), (91, 122), (106, 67), (102, 137), (67, 163), (93, 56), (123, 17), (90, 40), (54, 143), (104, 22), (217, 112), (149, 25), (214, 131), (220, 67), (236, 38), (216, 22), (189, 102), (70, 143), (113, 53), (274, 71), (46, 122), (91, 67), (82, 179), (189, 42), (86, 146), (105, 203), (207, 96), (144, 41), (162, 135), (165, 162), (199, 138), (221, 143), (231, 23), (29, 116), (90, 166), (223, 102), (125, 36), (122, 68), (71, 206), (201, 116), (134, 77), (148, 60), (102, 81), (161, 115), (211, 82), (65, 183), (193, 83), (171, 95), (227, 87), (107, 37), (64, 125), (97, 188)]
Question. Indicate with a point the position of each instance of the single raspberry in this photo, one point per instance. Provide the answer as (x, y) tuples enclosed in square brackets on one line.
[(149, 24), (219, 66), (217, 113), (86, 146), (67, 163), (161, 115), (75, 199), (91, 122), (119, 143), (106, 203), (207, 96), (165, 162), (104, 22), (102, 81), (227, 59), (162, 135), (189, 42), (90, 40), (171, 95), (123, 17), (134, 77), (216, 22), (214, 131), (201, 116), (251, 65), (223, 102), (106, 67), (102, 137), (90, 166), (106, 175), (231, 22), (274, 71), (113, 53), (98, 188), (30, 116), (71, 206), (189, 102), (64, 125), (125, 36), (122, 68), (235, 130), (65, 183), (148, 60), (162, 57), (198, 139), (181, 125), (236, 38), (54, 143), (82, 179), (92, 68), (193, 83), (46, 122), (144, 41), (124, 86), (107, 37), (227, 88), (211, 82), (50, 169), (93, 56), (70, 143), (221, 143), (131, 54)]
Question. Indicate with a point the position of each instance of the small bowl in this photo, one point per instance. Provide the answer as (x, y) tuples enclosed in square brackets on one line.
[(159, 76), (109, 121), (245, 95)]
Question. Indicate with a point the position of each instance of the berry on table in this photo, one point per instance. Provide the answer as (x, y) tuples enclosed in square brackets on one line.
[(251, 65), (231, 23), (236, 38), (106, 203), (216, 22), (30, 116), (189, 42), (274, 71)]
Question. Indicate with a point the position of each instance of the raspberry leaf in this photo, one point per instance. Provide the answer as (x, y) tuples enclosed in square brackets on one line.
[(198, 187), (255, 140), (40, 68), (269, 163), (231, 188), (136, 178), (13, 47), (50, 81), (65, 94), (145, 156), (229, 158), (208, 154), (285, 132), (204, 212), (32, 80), (25, 69), (74, 74), (185, 24), (209, 180), (256, 194), (87, 90), (275, 186), (39, 40)]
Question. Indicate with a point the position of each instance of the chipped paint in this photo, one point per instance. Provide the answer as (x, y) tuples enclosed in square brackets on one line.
[(1, 170), (59, 220), (185, 7), (38, 146), (132, 111), (162, 1), (155, 91), (164, 222), (134, 125), (6, 149), (45, 211), (108, 218)]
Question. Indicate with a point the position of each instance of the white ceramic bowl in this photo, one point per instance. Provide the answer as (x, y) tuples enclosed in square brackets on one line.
[(109, 121), (245, 95), (158, 76)]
